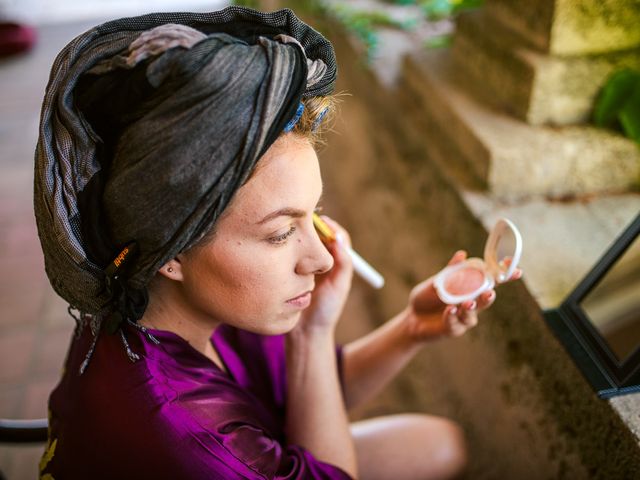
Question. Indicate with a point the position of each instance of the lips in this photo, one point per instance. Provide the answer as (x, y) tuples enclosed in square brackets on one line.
[(302, 301)]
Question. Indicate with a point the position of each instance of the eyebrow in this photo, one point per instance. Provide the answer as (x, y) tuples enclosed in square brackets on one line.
[(286, 212)]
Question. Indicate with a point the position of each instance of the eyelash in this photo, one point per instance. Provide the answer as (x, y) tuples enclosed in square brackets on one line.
[(282, 238)]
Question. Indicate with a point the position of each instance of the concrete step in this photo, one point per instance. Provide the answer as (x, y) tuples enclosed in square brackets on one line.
[(487, 148), (533, 86)]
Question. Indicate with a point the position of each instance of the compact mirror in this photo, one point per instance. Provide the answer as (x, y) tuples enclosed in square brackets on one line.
[(599, 322), (467, 280)]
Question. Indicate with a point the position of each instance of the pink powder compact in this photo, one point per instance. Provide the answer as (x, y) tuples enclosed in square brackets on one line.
[(467, 280)]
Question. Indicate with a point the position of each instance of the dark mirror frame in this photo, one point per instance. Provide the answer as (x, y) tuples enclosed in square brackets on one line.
[(608, 375)]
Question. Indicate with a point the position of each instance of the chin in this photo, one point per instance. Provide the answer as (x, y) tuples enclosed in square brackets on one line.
[(276, 326), (283, 325), (287, 325)]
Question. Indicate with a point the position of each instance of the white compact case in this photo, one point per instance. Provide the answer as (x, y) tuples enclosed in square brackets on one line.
[(504, 242)]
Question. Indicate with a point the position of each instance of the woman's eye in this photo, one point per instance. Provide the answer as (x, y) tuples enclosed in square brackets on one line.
[(282, 238)]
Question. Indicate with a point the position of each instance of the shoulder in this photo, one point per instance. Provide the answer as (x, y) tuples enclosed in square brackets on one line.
[(152, 415)]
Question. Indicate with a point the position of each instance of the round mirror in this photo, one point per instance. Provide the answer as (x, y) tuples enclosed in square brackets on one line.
[(503, 249)]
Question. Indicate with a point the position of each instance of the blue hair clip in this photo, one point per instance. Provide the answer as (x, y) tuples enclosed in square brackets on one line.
[(295, 119), (318, 120)]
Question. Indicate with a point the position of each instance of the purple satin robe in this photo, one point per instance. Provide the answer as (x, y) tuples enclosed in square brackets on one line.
[(174, 414)]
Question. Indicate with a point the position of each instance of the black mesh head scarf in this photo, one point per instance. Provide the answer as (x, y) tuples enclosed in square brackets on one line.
[(149, 126)]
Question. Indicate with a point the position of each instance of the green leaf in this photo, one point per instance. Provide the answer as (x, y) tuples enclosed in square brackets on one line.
[(255, 4), (437, 9), (461, 6), (630, 115), (441, 41), (615, 93)]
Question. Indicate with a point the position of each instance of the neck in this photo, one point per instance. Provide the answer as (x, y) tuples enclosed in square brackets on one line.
[(168, 312)]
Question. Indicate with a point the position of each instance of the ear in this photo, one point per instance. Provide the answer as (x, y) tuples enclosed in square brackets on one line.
[(172, 270)]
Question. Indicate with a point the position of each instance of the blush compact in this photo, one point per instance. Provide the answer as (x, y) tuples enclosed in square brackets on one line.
[(470, 278)]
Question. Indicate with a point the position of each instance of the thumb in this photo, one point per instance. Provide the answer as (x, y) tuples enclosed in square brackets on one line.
[(459, 256)]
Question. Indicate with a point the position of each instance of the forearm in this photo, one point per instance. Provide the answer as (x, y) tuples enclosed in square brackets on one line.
[(316, 416), (372, 361)]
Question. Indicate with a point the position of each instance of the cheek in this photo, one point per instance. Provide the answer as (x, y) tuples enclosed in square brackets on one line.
[(238, 284)]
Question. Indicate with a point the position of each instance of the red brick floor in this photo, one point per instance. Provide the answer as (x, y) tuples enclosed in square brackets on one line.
[(34, 325)]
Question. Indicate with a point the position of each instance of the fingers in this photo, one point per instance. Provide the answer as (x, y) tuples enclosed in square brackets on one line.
[(517, 274), (467, 313), (461, 318), (340, 255), (459, 256), (486, 299), (506, 263), (341, 234)]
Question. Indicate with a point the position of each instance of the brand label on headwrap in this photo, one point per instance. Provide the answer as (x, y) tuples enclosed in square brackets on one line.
[(127, 304), (121, 260)]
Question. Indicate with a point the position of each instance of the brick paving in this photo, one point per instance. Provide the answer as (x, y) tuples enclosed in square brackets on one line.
[(34, 325)]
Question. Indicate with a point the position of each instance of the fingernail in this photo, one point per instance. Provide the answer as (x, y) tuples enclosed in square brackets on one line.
[(454, 310), (472, 306), (340, 239)]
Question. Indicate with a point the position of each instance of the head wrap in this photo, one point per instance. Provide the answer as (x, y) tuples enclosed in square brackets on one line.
[(149, 125)]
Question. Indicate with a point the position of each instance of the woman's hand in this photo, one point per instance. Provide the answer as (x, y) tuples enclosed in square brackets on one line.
[(332, 288), (429, 318)]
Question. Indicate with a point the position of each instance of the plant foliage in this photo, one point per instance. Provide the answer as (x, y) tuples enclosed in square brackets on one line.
[(255, 4), (439, 9), (618, 105), (363, 23)]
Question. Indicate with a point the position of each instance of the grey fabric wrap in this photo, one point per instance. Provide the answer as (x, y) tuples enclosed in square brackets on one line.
[(175, 169)]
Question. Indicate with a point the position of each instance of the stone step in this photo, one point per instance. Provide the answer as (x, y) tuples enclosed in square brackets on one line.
[(534, 87), (530, 22), (510, 158), (569, 27)]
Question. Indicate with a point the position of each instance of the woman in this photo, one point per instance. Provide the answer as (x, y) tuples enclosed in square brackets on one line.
[(175, 183)]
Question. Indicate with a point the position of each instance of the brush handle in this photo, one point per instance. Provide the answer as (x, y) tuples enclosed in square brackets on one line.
[(366, 271), (360, 265)]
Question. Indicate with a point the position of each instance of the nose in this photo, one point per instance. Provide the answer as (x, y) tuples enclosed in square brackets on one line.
[(315, 258)]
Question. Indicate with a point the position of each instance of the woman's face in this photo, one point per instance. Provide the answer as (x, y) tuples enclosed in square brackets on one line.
[(265, 251)]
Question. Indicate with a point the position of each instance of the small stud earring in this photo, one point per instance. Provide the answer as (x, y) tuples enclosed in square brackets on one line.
[(170, 270)]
